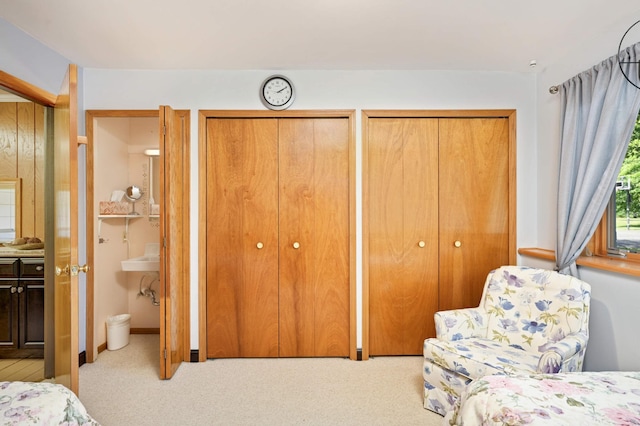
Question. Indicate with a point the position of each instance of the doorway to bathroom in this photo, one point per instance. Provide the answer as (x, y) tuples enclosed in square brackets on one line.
[(138, 179)]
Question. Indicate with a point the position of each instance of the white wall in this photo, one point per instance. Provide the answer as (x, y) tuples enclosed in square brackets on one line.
[(30, 60), (195, 90), (614, 343)]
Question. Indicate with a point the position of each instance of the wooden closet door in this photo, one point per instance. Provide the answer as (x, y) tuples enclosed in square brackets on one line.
[(242, 238), (474, 206), (403, 233), (314, 237)]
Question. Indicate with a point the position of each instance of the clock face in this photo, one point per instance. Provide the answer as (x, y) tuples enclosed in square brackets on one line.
[(277, 92)]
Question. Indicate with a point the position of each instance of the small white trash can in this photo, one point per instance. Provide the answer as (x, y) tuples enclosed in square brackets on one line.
[(118, 328)]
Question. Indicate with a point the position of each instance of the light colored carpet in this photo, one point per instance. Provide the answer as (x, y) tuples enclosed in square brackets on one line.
[(122, 388)]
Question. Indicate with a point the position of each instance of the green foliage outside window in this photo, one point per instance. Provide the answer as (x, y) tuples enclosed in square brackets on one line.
[(631, 169)]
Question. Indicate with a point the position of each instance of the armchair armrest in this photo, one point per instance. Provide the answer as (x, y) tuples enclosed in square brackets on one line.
[(459, 324), (557, 352)]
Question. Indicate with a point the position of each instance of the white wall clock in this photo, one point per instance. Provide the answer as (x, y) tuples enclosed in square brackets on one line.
[(277, 92)]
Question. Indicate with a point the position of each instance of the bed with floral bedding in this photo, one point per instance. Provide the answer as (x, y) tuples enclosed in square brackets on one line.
[(586, 398), (25, 403)]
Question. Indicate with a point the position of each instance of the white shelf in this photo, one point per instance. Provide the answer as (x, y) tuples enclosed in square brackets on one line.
[(126, 218)]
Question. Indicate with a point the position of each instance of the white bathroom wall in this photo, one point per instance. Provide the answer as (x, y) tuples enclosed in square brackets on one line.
[(110, 173), (119, 162), (143, 133)]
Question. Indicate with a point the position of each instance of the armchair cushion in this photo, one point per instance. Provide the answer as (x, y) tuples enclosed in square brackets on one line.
[(458, 324), (477, 357), (529, 320)]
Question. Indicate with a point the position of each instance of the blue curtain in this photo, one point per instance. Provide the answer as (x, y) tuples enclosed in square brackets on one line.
[(599, 110)]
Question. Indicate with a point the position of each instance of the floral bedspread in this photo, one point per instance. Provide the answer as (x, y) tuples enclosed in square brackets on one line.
[(587, 398), (23, 403)]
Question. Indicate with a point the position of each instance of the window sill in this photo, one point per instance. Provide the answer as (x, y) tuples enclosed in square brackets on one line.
[(619, 265)]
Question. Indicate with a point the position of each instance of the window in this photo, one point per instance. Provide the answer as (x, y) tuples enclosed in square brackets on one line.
[(619, 231)]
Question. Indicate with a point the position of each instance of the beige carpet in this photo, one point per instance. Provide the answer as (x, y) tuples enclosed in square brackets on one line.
[(122, 388)]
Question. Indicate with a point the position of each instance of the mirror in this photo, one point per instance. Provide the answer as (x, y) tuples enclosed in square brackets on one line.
[(10, 212), (133, 194), (154, 181)]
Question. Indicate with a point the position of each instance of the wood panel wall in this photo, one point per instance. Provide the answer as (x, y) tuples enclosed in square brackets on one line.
[(22, 145)]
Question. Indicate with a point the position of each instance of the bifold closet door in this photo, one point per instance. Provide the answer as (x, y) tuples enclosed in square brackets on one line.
[(242, 237), (403, 233), (474, 206), (314, 237)]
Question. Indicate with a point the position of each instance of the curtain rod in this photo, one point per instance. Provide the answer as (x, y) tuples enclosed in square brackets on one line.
[(554, 89)]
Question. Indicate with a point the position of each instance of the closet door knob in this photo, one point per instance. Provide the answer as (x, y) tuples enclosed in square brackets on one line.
[(457, 243), (76, 269), (296, 245), (259, 245), (422, 244)]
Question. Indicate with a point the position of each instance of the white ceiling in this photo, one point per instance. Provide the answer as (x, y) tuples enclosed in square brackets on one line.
[(491, 35)]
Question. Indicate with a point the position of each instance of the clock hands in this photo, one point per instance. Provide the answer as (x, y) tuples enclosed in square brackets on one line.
[(277, 92)]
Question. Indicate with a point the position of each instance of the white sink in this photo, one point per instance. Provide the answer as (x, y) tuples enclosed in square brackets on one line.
[(149, 262), (142, 263)]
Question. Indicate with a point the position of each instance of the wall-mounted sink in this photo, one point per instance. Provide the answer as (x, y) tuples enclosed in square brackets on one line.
[(149, 262), (142, 263)]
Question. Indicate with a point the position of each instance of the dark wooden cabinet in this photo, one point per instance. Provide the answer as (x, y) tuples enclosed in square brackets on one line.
[(21, 307)]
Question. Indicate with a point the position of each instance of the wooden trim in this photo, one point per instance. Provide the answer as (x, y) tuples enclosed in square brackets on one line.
[(89, 241), (365, 234), (513, 187), (510, 114), (202, 237), (203, 115), (436, 113), (144, 331), (26, 90), (70, 100), (609, 264), (217, 113), (185, 116), (538, 253), (102, 347)]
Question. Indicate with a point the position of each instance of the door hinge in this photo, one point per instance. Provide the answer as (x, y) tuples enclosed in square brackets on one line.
[(164, 130), (164, 242), (164, 354)]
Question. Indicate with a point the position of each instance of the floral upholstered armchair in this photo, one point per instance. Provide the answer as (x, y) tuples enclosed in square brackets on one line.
[(529, 321)]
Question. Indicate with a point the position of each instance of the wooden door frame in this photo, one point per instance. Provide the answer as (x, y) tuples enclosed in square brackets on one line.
[(42, 97), (509, 114), (27, 90), (203, 115), (90, 293)]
